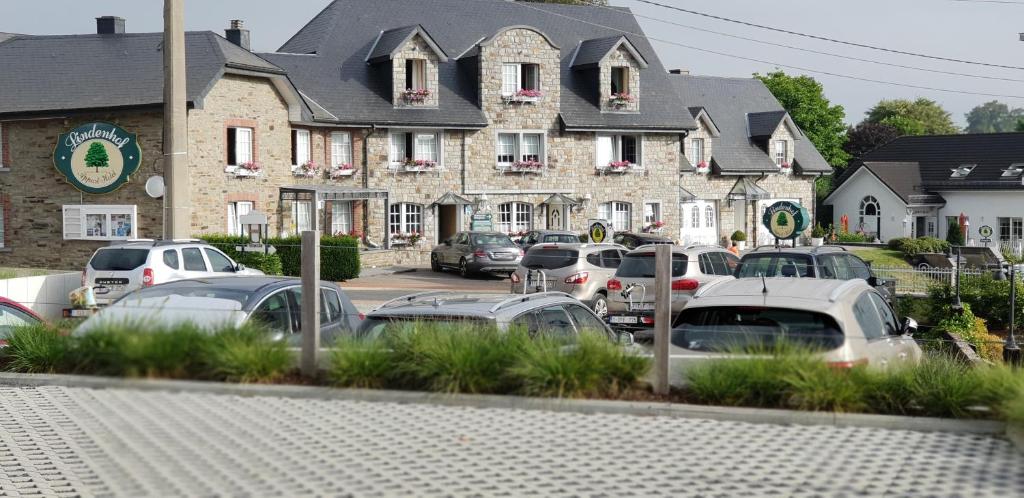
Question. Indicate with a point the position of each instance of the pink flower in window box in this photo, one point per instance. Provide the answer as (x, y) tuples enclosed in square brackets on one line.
[(621, 99), (341, 170), (619, 165), (527, 166), (785, 166), (251, 166), (530, 93), (417, 95), (309, 168)]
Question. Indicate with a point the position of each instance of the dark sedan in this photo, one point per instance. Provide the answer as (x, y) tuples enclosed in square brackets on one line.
[(477, 252)]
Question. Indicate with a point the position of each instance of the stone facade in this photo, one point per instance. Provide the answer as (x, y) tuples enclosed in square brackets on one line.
[(620, 58), (415, 48)]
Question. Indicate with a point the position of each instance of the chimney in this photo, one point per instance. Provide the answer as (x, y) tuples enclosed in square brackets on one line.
[(237, 34), (110, 25), (678, 71)]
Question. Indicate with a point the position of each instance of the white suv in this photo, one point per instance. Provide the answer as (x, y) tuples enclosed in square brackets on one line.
[(124, 267)]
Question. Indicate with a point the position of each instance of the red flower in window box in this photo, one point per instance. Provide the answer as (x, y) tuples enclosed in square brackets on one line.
[(417, 95), (785, 166)]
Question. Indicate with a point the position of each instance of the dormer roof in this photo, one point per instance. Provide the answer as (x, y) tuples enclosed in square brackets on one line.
[(764, 124), (591, 53), (701, 115), (389, 42)]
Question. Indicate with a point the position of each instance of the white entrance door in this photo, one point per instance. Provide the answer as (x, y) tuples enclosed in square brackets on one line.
[(764, 237), (699, 222), (557, 217)]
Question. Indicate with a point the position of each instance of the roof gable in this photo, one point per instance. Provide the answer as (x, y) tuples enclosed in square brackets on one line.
[(392, 41), (939, 155), (593, 52), (764, 124)]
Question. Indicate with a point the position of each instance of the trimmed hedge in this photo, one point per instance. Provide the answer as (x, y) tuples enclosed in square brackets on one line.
[(912, 247), (339, 256), (267, 263)]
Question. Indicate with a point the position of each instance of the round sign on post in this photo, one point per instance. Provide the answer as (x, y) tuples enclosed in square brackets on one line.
[(97, 158), (786, 220), (985, 231), (598, 231)]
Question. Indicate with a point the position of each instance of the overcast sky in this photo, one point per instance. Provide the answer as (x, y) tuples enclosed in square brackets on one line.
[(976, 31)]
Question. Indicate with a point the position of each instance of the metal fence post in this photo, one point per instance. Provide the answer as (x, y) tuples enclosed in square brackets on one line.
[(310, 302), (662, 315), (1011, 351)]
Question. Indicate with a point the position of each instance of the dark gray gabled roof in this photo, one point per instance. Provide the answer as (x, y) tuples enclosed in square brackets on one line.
[(902, 177), (728, 102), (590, 53), (390, 41), (6, 36), (764, 124), (341, 36), (109, 71)]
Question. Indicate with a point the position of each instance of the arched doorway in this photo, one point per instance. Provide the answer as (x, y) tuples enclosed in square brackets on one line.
[(870, 217)]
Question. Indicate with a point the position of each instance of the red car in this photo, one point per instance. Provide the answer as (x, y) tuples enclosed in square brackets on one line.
[(14, 315)]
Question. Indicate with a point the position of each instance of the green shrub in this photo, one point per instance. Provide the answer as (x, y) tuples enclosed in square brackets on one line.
[(36, 349), (851, 237), (954, 235), (245, 354), (593, 366), (818, 231), (457, 358), (584, 238), (972, 329), (362, 364), (912, 247), (269, 264), (989, 299), (758, 381), (140, 350), (815, 386), (339, 256), (738, 236), (266, 263)]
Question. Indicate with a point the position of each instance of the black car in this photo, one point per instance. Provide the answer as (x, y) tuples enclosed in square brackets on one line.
[(535, 237), (827, 262), (634, 240)]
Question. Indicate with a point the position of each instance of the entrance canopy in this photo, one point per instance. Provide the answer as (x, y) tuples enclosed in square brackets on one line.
[(330, 193), (746, 190), (560, 200), (686, 195), (451, 199)]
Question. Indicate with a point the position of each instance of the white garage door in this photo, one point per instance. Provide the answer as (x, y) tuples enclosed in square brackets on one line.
[(699, 222), (764, 237)]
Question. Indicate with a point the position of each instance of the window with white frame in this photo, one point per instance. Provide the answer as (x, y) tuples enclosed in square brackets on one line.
[(415, 146), (514, 147), (341, 217), (616, 148), (652, 212), (301, 149), (240, 146), (694, 217), (86, 222), (709, 217), (515, 217), (516, 77), (697, 150), (781, 153), (405, 218), (341, 148), (302, 219), (235, 212), (620, 214), (415, 74)]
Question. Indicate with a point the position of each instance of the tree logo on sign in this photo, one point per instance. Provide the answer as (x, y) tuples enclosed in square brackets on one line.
[(97, 158)]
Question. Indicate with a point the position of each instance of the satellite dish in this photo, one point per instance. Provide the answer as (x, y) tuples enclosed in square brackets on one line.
[(155, 187)]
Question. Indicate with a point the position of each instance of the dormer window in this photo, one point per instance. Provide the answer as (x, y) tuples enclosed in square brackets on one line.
[(963, 170), (696, 150), (517, 78), (1014, 171), (415, 74), (781, 153), (620, 80)]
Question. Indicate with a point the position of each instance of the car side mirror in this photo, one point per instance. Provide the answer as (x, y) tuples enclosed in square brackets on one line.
[(239, 267), (909, 326), (626, 339), (875, 281)]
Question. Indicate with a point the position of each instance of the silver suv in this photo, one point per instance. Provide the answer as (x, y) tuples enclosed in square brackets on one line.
[(553, 313), (121, 268), (580, 270), (631, 290)]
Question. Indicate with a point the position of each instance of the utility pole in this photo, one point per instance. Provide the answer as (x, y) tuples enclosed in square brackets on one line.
[(178, 210)]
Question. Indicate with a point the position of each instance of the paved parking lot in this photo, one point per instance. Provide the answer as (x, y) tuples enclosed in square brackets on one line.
[(368, 292), (83, 442)]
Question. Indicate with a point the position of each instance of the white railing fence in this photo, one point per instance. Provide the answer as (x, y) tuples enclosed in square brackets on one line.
[(915, 281)]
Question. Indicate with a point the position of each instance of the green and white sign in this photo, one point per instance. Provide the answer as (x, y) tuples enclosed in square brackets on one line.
[(599, 231), (985, 231), (97, 158), (786, 220)]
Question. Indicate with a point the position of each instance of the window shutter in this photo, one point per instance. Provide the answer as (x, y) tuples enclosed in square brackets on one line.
[(408, 74), (295, 147), (604, 150), (73, 223), (410, 147), (232, 136)]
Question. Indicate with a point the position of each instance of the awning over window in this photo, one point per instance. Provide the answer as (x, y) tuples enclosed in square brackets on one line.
[(560, 200), (746, 190), (451, 199), (686, 195), (330, 193)]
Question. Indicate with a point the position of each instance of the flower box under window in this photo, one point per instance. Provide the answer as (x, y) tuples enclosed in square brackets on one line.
[(525, 96), (620, 167), (621, 100), (525, 167), (656, 227), (309, 169), (341, 171), (417, 96), (406, 239), (419, 165), (703, 167), (248, 169)]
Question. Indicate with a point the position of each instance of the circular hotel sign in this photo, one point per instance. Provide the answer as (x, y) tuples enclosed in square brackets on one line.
[(598, 231), (786, 220), (97, 158)]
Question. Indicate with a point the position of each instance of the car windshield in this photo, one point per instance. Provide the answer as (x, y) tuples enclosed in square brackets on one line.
[(375, 327), (238, 295), (550, 259), (492, 239), (561, 238), (642, 266), (732, 328), (775, 265), (119, 259)]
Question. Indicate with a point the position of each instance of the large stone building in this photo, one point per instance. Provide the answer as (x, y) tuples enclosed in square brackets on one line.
[(393, 122)]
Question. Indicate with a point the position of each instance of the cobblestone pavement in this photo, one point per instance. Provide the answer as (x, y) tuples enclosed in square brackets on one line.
[(83, 442)]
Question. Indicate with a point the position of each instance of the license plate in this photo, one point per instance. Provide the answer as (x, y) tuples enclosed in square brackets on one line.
[(641, 307), (502, 257), (622, 319)]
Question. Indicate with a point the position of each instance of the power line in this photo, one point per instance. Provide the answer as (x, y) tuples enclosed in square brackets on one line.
[(761, 61), (989, 1), (812, 51), (825, 38)]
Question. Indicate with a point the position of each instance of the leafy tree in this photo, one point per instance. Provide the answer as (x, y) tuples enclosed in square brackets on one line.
[(96, 156), (1020, 125), (919, 117), (867, 136), (954, 235), (804, 99), (993, 117)]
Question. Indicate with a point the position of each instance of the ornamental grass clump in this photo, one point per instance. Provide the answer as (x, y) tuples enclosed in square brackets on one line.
[(246, 354), (592, 366), (36, 349), (365, 364), (136, 349)]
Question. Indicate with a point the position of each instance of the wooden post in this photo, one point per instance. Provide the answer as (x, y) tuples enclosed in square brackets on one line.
[(662, 315), (310, 302), (178, 200)]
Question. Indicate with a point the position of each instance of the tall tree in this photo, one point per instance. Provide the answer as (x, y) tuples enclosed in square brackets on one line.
[(918, 117), (867, 136), (822, 122), (993, 117)]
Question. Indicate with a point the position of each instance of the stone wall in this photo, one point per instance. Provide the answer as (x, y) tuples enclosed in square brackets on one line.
[(416, 48), (35, 192), (620, 58)]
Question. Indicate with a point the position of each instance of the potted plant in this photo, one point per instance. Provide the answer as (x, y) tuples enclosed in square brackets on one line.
[(417, 96), (309, 169), (740, 238), (341, 170), (817, 235), (620, 100)]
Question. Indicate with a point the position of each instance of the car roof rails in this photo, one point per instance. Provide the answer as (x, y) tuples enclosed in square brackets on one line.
[(702, 246), (409, 299), (523, 298)]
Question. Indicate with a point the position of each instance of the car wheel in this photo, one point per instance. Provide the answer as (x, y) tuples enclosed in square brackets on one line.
[(463, 268), (601, 306), (434, 264)]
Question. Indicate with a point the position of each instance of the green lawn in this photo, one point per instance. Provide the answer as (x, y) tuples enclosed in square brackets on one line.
[(884, 258), (6, 273)]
